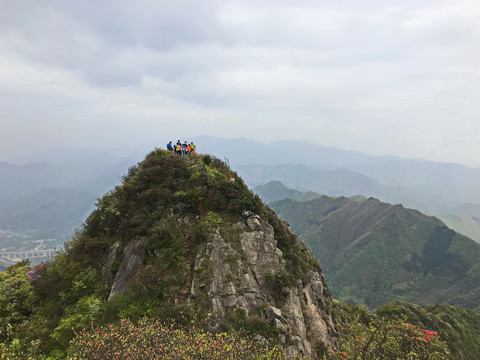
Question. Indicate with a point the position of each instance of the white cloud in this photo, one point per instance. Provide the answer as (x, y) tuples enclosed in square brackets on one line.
[(377, 76)]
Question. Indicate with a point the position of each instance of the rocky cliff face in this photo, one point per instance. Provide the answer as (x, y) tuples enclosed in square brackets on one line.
[(299, 316), (186, 233), (242, 270)]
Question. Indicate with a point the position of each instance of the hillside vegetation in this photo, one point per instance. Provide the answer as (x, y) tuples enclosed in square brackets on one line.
[(178, 239), (373, 252), (458, 327), (466, 225)]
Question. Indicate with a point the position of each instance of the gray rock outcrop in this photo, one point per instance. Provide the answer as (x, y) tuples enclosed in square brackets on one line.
[(240, 270), (242, 261), (133, 255)]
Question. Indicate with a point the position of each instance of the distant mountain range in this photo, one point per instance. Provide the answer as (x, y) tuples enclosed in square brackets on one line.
[(332, 182), (386, 170), (373, 252), (450, 191), (52, 200), (50, 208), (429, 198), (443, 185), (96, 172)]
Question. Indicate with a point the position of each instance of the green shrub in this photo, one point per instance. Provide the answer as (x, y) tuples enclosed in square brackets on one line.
[(459, 327), (249, 202), (212, 220), (131, 172), (207, 159), (17, 297), (15, 350), (80, 315), (387, 340), (130, 307), (83, 284)]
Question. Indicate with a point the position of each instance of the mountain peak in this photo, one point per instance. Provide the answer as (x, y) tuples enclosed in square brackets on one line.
[(186, 235)]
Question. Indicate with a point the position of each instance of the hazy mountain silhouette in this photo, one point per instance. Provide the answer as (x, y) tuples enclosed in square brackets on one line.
[(450, 190), (275, 190)]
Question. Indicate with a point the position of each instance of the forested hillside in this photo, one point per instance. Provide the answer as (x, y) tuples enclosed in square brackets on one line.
[(374, 252)]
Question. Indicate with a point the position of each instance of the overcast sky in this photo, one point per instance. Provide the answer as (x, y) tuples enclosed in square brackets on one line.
[(379, 76)]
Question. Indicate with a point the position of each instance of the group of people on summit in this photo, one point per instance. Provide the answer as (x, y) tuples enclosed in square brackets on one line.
[(182, 149)]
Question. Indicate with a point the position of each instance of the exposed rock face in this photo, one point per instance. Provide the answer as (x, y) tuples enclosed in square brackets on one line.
[(239, 281), (133, 255), (106, 276)]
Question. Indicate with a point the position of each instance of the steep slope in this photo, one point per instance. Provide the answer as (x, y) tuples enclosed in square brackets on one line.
[(373, 252), (183, 236), (466, 225), (465, 221)]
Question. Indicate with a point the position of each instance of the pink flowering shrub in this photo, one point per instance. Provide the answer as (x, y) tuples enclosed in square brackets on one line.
[(152, 339), (390, 340), (35, 270)]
